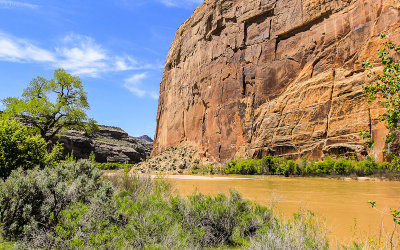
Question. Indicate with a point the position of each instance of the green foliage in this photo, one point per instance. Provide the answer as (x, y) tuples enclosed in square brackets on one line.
[(343, 167), (367, 166), (4, 244), (112, 165), (271, 165), (71, 207), (144, 214), (385, 87), (92, 157), (21, 148), (31, 201), (53, 106), (221, 219), (325, 166), (305, 231)]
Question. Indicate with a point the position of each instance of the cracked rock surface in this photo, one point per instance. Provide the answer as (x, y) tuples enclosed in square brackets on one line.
[(248, 78)]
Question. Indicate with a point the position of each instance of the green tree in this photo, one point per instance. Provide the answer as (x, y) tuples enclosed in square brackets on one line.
[(385, 86), (20, 147), (53, 106)]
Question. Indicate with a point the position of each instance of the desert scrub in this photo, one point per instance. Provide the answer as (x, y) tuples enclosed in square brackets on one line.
[(72, 207), (148, 216), (31, 201), (305, 231)]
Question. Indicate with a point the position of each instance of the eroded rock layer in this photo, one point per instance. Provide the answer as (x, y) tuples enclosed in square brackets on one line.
[(110, 144), (247, 78)]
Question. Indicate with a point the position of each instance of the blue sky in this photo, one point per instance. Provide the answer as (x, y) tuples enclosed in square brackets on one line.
[(117, 47)]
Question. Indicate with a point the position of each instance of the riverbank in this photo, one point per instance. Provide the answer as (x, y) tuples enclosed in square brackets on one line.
[(196, 212), (342, 202), (207, 176), (170, 163), (72, 207)]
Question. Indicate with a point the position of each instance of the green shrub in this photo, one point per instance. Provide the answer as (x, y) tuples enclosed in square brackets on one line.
[(310, 169), (366, 167), (112, 165), (325, 166), (282, 169), (247, 167), (231, 167), (213, 221), (273, 165), (302, 166), (343, 167), (305, 231), (147, 216), (31, 201), (269, 165), (293, 168), (21, 148)]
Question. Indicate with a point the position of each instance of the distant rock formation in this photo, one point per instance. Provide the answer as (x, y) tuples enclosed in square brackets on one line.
[(145, 139), (110, 144), (248, 78)]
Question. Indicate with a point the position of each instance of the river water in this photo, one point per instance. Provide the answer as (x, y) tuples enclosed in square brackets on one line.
[(343, 203)]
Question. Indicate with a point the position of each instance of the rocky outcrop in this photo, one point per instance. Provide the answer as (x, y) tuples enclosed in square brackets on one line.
[(175, 160), (110, 144), (145, 139), (247, 78)]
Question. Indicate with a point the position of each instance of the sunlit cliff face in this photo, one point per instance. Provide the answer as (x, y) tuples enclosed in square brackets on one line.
[(257, 77)]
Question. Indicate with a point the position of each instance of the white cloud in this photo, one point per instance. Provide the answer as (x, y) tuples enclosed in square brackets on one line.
[(133, 84), (122, 64), (14, 4), (78, 54), (128, 63), (20, 50), (82, 56), (181, 3)]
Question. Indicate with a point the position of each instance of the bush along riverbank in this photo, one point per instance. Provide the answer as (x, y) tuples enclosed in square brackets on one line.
[(271, 165), (71, 206)]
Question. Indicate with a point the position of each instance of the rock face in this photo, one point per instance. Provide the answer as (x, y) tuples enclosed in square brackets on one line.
[(110, 144), (247, 78), (175, 160)]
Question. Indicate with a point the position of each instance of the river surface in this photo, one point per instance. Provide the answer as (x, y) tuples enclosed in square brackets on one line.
[(343, 203)]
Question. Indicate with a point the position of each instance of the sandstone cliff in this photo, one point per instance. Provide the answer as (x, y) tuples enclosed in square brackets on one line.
[(110, 144), (248, 78)]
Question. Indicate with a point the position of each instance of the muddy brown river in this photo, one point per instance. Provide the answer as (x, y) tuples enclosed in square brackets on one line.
[(343, 203)]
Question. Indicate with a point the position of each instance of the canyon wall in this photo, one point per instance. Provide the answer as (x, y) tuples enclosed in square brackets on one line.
[(248, 78), (109, 144)]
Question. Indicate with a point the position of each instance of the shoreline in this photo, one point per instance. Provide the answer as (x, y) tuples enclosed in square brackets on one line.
[(188, 176)]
